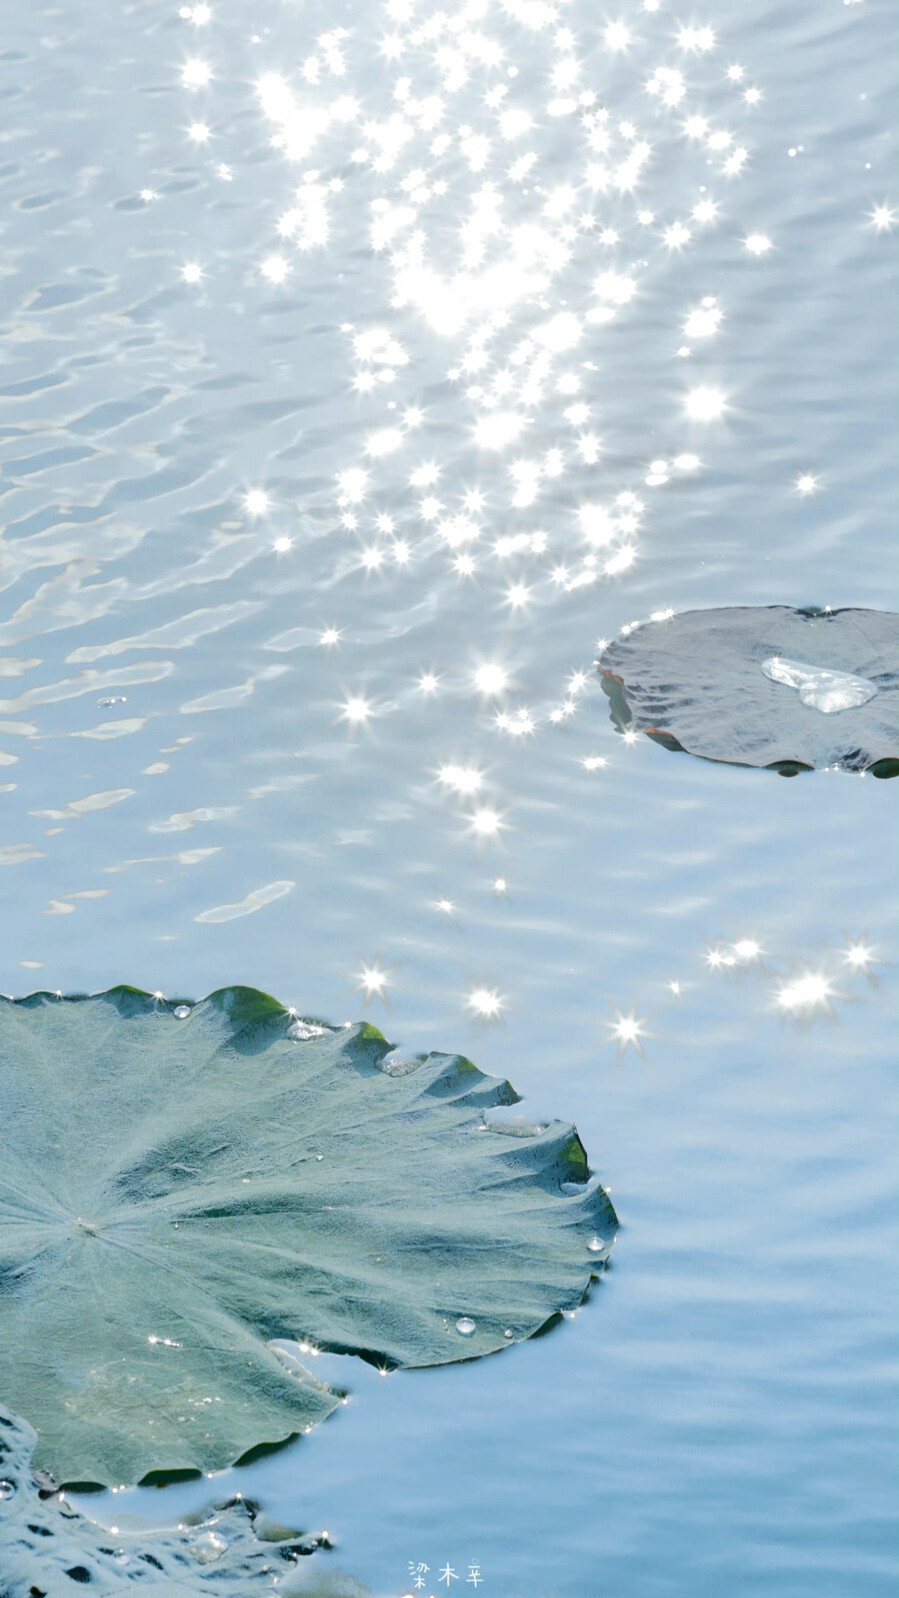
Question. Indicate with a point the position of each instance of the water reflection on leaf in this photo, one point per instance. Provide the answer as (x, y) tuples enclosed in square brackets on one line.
[(763, 686)]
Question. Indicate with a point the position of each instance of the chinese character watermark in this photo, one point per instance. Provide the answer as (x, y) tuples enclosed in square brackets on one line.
[(418, 1572)]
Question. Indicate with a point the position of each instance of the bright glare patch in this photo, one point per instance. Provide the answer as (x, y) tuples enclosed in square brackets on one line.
[(806, 484), (676, 236), (486, 823), (627, 1030), (283, 544), (499, 429), (195, 74), (704, 211), (696, 38), (561, 333), (192, 272), (810, 992), (384, 442), (256, 502), (747, 949), (275, 269), (351, 485), (704, 320), (357, 710), (372, 980), (461, 779), (705, 404), (491, 679), (758, 244), (883, 218), (485, 1002), (617, 36), (859, 956)]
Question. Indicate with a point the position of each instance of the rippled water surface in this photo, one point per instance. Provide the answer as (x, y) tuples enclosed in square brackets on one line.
[(362, 368)]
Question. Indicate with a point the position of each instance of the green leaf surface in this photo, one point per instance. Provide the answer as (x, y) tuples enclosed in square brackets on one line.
[(177, 1190), (231, 1549), (696, 683)]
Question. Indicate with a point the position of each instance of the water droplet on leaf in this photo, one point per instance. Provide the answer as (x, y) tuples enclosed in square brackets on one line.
[(207, 1547)]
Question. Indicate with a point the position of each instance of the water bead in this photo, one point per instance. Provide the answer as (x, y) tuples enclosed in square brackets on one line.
[(597, 1246), (7, 1489), (302, 1031), (182, 1011), (818, 687), (508, 1333), (466, 1327), (207, 1547)]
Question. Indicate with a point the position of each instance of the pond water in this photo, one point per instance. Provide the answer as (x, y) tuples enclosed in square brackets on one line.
[(363, 368)]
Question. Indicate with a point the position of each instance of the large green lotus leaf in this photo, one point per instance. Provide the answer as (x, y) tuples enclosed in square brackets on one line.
[(181, 1185), (229, 1550), (763, 686)]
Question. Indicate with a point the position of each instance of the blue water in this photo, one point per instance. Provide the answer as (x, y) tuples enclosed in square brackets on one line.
[(720, 1418)]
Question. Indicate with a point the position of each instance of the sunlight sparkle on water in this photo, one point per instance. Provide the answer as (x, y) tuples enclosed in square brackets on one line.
[(485, 1002), (806, 484), (883, 218), (195, 74), (758, 244), (357, 710), (461, 779), (699, 39), (859, 956), (810, 992), (372, 980), (256, 502), (627, 1030), (486, 823), (705, 404), (747, 949), (704, 211), (275, 269), (491, 678), (704, 320)]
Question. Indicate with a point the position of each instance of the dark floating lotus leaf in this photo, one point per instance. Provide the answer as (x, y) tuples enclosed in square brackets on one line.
[(789, 690), (47, 1546), (181, 1185)]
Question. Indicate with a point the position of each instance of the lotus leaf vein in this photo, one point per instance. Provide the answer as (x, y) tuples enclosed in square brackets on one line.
[(179, 1190)]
